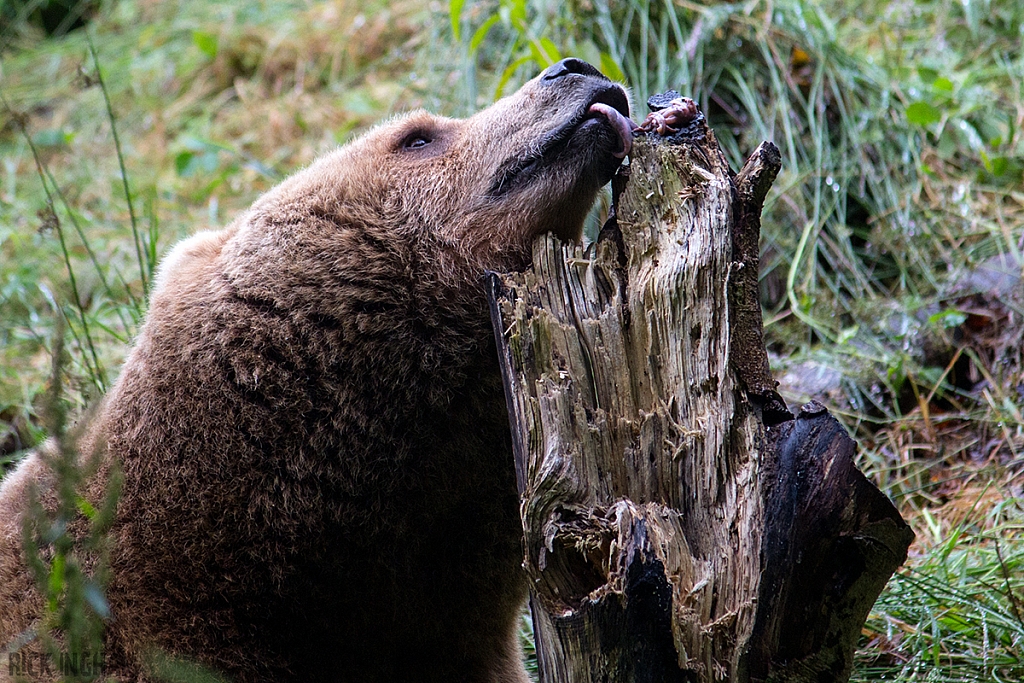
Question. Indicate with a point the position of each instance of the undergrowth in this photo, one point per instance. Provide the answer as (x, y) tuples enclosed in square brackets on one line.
[(66, 543), (891, 255)]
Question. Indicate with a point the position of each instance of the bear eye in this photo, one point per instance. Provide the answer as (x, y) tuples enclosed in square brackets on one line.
[(416, 141)]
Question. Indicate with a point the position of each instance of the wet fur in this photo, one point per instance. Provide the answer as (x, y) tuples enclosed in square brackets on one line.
[(318, 473)]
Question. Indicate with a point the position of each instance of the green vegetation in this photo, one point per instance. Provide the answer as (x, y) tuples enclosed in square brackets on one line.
[(892, 255), (66, 541)]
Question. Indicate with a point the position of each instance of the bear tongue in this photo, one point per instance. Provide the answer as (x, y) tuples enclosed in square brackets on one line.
[(623, 126)]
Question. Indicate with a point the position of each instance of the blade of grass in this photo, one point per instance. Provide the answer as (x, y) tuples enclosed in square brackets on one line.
[(93, 367), (144, 272), (88, 247)]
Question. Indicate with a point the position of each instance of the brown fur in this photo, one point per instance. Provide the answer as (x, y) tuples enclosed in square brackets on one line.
[(311, 425)]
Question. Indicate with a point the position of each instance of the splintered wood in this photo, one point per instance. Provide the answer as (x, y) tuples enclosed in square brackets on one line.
[(643, 445)]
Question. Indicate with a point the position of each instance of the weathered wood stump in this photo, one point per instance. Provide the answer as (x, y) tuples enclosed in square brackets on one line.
[(680, 524)]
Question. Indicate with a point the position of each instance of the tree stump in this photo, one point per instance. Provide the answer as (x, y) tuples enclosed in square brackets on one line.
[(679, 523)]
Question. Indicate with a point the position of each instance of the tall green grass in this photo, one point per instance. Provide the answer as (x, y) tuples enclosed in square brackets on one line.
[(956, 613)]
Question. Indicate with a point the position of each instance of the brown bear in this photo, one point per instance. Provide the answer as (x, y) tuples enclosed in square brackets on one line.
[(318, 478)]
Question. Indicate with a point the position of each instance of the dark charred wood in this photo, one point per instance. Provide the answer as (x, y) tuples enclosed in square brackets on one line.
[(833, 541), (749, 357)]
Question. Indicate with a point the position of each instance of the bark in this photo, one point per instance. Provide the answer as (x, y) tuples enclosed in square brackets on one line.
[(679, 523)]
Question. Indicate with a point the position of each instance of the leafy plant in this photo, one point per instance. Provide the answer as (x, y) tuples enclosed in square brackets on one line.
[(66, 544)]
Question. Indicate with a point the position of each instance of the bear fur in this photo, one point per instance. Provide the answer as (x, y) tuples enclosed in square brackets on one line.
[(311, 426)]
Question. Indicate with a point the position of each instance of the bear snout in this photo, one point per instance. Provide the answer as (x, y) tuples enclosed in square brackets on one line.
[(571, 65)]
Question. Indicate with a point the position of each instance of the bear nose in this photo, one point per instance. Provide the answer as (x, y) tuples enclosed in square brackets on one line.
[(571, 65)]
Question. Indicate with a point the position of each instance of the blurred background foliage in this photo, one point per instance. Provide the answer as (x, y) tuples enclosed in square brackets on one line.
[(891, 255)]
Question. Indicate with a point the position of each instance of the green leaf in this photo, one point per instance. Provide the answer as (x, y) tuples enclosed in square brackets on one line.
[(481, 33), (55, 584), (517, 15), (948, 318), (551, 49), (954, 622), (927, 74), (182, 162), (188, 164), (52, 137), (508, 73), (923, 114), (455, 14), (943, 85), (896, 374), (611, 68), (85, 507), (206, 42), (998, 166), (544, 52)]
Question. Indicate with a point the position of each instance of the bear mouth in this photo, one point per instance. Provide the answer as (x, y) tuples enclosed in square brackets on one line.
[(608, 108)]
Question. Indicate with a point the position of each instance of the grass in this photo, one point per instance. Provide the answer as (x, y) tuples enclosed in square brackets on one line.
[(892, 253), (954, 612), (66, 544)]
